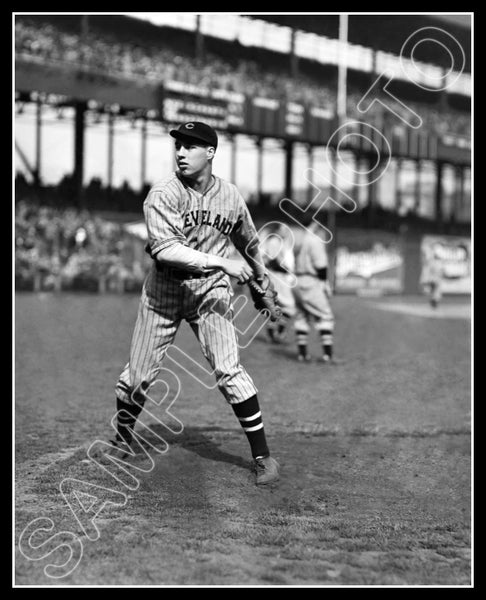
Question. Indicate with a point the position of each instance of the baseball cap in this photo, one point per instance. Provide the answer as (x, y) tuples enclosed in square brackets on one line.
[(196, 130)]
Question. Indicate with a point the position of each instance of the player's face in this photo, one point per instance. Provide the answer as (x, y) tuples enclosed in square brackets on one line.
[(191, 158)]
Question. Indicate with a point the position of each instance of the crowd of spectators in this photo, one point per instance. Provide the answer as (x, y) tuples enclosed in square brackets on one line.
[(158, 62), (163, 63), (73, 249)]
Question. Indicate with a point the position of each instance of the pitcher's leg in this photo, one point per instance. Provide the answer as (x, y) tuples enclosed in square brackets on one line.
[(219, 345), (217, 336), (154, 332)]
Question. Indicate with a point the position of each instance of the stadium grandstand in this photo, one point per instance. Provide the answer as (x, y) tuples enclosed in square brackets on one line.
[(277, 88), (258, 71)]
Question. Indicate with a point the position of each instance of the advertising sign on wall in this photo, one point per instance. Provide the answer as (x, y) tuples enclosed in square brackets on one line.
[(369, 264), (450, 255)]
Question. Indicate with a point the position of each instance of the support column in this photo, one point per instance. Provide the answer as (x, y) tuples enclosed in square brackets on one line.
[(371, 206), (438, 195), (467, 195), (289, 160), (357, 181), (79, 130), (398, 184), (459, 193), (199, 41), (418, 187), (111, 121), (38, 143), (331, 208), (310, 174), (259, 144), (331, 155), (294, 59)]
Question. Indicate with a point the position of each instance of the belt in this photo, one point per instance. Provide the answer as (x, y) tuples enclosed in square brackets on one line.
[(180, 274)]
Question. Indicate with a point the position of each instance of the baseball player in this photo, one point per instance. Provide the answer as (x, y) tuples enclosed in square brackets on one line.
[(432, 275), (191, 218), (312, 293), (278, 256)]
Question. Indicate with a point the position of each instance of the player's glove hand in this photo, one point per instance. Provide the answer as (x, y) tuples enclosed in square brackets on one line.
[(265, 298)]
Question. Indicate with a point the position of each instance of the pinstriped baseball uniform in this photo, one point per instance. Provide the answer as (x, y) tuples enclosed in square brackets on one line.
[(208, 222), (311, 300)]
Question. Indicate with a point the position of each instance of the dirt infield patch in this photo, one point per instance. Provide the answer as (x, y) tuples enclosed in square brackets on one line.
[(348, 511)]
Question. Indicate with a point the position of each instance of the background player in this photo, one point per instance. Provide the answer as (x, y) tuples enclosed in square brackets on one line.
[(191, 218), (432, 275), (278, 255), (312, 293)]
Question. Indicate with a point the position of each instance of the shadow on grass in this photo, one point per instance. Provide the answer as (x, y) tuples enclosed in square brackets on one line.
[(198, 441)]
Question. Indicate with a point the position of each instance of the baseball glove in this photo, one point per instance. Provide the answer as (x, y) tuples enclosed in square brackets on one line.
[(265, 298)]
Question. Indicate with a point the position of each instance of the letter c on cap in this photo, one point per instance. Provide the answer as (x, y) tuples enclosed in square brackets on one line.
[(189, 125)]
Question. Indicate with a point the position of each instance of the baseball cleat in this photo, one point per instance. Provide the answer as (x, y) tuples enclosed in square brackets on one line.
[(304, 357), (267, 470), (117, 448)]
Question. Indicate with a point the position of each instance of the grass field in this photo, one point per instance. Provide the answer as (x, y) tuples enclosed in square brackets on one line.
[(375, 454)]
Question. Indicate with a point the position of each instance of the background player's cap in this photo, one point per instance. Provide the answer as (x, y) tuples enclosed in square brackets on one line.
[(196, 130)]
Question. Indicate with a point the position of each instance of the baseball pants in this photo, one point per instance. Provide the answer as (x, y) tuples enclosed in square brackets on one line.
[(205, 304), (313, 307)]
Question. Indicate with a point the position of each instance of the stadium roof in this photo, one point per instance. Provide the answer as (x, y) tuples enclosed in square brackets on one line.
[(385, 32), (381, 31)]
